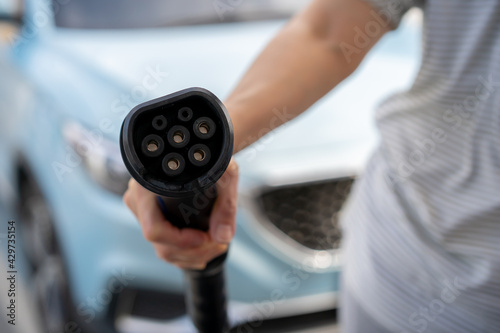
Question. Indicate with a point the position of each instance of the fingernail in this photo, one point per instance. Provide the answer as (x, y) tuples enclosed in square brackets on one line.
[(223, 234)]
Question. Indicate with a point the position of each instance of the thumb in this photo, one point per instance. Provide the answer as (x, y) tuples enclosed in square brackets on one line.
[(223, 217)]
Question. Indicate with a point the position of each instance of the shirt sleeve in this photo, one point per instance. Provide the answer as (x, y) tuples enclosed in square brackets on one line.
[(392, 11)]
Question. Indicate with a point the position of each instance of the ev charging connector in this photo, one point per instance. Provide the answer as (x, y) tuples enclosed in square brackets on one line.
[(178, 146)]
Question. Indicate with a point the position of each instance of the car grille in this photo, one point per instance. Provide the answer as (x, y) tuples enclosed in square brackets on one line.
[(308, 213)]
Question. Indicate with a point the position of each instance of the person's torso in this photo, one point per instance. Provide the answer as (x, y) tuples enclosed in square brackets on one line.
[(428, 208)]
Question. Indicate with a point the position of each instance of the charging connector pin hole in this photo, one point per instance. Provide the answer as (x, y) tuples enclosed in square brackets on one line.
[(199, 155), (152, 146), (203, 128), (173, 164), (178, 137)]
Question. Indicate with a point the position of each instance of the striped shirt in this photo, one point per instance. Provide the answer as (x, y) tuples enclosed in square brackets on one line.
[(422, 228)]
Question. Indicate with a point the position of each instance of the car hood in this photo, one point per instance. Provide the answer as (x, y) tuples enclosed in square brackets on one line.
[(116, 70)]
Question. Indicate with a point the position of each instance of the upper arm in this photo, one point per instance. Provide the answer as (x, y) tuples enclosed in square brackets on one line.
[(348, 28)]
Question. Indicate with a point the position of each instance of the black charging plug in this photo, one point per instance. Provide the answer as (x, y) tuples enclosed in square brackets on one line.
[(178, 146)]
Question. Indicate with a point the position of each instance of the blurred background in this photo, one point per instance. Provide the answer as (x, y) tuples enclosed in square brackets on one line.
[(70, 70)]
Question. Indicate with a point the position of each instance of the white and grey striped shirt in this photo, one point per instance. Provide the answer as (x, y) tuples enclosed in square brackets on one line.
[(422, 229)]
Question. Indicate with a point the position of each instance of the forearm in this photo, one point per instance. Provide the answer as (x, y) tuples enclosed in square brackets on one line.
[(300, 65)]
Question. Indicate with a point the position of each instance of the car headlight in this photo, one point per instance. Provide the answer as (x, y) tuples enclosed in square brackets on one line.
[(100, 157)]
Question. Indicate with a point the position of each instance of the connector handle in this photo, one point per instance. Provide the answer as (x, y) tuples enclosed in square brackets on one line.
[(191, 211), (205, 289)]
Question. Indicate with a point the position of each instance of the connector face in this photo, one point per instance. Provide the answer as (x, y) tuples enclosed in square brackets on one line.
[(178, 143)]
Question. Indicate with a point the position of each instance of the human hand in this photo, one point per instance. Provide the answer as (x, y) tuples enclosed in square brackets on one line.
[(187, 248)]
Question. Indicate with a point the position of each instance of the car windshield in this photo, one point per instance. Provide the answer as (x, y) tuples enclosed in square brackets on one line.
[(132, 14)]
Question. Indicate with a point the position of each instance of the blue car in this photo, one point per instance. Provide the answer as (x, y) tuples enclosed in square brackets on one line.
[(70, 72)]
